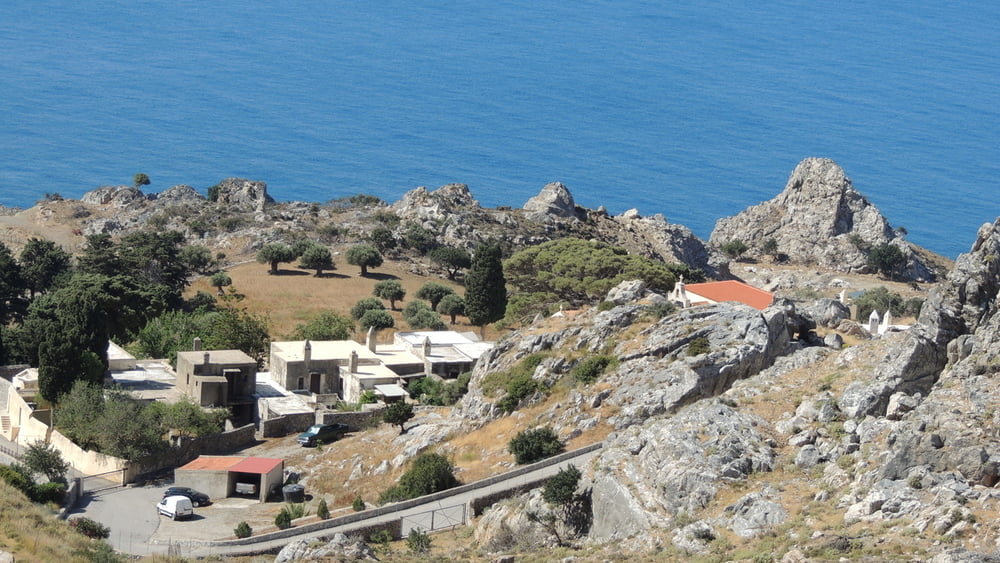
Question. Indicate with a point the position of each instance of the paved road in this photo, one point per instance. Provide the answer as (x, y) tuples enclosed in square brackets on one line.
[(413, 515), (130, 512)]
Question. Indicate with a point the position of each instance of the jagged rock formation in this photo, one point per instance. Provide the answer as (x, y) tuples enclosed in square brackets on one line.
[(507, 525), (554, 200), (117, 196), (339, 548), (649, 474), (954, 309), (456, 219), (818, 219), (670, 242), (243, 193), (181, 193)]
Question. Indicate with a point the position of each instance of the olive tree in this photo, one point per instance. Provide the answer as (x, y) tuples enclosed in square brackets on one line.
[(364, 255), (274, 253)]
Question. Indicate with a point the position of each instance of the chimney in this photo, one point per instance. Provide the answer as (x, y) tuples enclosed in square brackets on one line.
[(197, 344), (208, 358), (370, 339), (307, 352), (352, 363), (427, 346)]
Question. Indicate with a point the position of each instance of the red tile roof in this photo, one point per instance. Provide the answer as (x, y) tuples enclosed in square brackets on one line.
[(213, 462), (260, 465), (731, 290)]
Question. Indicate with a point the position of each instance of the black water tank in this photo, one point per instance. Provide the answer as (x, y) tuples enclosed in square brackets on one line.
[(294, 493)]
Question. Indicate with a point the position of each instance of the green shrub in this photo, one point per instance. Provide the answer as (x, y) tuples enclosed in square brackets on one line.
[(49, 492), (283, 520), (17, 476), (605, 306), (386, 218), (243, 530), (90, 528), (560, 489), (296, 510), (322, 510), (429, 473), (590, 369), (381, 537), (698, 346), (532, 445), (661, 309), (358, 505), (418, 541)]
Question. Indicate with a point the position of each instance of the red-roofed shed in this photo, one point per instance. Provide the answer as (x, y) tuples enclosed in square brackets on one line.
[(729, 290), (218, 476)]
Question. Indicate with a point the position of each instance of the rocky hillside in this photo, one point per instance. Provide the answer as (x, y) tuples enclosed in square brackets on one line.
[(735, 440), (820, 218)]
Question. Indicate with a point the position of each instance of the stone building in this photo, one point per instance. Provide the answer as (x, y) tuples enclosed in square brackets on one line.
[(219, 378)]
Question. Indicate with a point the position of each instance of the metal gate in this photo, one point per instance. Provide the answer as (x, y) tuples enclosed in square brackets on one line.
[(432, 520), (102, 481)]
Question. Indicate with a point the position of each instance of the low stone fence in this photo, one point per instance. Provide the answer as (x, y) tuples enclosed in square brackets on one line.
[(400, 506), (188, 449), (286, 424), (355, 420)]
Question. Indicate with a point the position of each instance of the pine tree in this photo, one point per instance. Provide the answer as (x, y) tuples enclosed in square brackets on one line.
[(485, 287)]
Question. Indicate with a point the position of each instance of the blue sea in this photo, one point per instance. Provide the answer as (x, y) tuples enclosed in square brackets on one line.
[(695, 110)]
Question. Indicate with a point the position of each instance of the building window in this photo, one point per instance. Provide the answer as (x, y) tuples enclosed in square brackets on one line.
[(302, 383)]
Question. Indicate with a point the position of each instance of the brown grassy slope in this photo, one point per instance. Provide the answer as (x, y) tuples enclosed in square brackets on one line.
[(294, 296), (32, 533)]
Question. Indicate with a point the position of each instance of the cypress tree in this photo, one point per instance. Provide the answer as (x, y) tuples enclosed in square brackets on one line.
[(485, 287)]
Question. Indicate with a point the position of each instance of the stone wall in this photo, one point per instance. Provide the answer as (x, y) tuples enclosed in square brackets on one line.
[(286, 424), (354, 420)]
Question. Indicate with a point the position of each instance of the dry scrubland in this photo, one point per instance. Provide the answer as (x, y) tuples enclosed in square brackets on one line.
[(294, 296)]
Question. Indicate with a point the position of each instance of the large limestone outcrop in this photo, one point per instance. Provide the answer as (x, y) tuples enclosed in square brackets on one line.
[(690, 355), (244, 193), (339, 548), (117, 196), (670, 242), (648, 475), (554, 200), (818, 219), (953, 310), (422, 204), (181, 193)]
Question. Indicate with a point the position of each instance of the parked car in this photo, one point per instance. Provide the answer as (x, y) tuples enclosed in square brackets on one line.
[(196, 498), (322, 433), (177, 507)]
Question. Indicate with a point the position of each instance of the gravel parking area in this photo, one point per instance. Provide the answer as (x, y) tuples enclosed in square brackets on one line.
[(136, 527)]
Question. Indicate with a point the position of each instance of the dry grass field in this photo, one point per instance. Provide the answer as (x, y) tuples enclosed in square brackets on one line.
[(294, 296)]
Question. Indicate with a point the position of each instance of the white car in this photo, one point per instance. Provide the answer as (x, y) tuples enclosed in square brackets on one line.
[(176, 507)]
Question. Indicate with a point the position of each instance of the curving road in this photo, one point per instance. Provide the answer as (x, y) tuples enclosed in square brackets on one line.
[(413, 513)]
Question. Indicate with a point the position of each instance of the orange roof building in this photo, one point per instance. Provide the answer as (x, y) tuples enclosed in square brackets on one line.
[(718, 292), (217, 476)]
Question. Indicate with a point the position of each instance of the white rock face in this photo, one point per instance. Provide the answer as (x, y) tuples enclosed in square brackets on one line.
[(554, 199), (817, 219)]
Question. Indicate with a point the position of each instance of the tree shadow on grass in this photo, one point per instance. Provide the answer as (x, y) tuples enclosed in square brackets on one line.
[(288, 273), (332, 275), (380, 276)]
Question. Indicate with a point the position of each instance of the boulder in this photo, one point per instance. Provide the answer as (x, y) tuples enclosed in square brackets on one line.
[(339, 548), (115, 196), (243, 193), (181, 193), (826, 312), (755, 514), (554, 200)]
